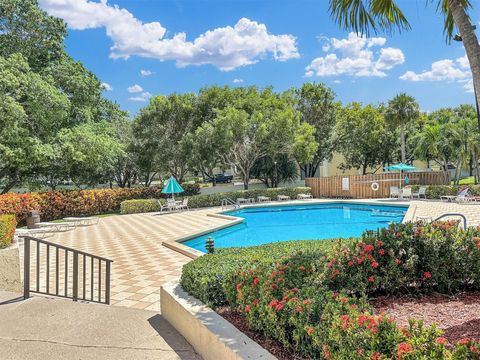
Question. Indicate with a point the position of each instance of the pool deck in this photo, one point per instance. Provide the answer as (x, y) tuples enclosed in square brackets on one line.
[(141, 244)]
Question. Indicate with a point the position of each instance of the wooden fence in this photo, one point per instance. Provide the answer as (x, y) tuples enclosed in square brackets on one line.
[(360, 186)]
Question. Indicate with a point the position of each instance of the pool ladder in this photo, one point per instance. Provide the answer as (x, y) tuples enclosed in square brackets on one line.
[(227, 201)]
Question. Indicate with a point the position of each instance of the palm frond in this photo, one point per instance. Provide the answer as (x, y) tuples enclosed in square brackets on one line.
[(364, 16), (449, 23)]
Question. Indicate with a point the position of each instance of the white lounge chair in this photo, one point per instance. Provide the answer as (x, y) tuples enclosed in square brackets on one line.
[(241, 201), (394, 192), (183, 205), (83, 221), (283, 198), (422, 191), (461, 197), (263, 198), (406, 193), (304, 196), (163, 207)]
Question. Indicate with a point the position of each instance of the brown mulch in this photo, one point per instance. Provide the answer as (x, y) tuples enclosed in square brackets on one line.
[(274, 347), (458, 317)]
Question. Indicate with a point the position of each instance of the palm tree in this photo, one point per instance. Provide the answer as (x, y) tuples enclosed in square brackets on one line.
[(364, 16), (402, 110)]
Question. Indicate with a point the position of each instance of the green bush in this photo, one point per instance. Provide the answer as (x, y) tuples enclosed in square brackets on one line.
[(436, 191), (139, 206), (209, 277), (311, 295), (7, 230), (199, 201)]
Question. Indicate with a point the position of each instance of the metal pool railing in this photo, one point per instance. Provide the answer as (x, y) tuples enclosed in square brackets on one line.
[(57, 270)]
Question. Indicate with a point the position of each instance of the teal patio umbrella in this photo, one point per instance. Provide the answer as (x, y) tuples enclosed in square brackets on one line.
[(401, 167), (172, 187)]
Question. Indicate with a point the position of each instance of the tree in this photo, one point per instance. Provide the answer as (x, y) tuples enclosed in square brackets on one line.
[(316, 105), (161, 127), (364, 16), (401, 111), (273, 171), (360, 131)]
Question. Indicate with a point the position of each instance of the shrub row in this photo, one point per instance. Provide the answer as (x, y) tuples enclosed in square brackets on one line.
[(59, 204), (7, 230), (435, 191), (198, 201), (314, 300)]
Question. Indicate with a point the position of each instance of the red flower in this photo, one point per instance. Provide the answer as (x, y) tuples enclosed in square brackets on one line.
[(441, 340), (381, 251), (299, 309), (255, 281), (350, 263), (398, 261), (369, 247), (294, 290), (427, 275), (359, 261), (376, 356), (279, 306), (307, 302), (255, 302), (404, 348), (343, 300), (464, 341), (310, 331), (273, 303), (247, 308), (239, 285), (371, 279), (273, 286), (375, 264), (399, 235), (301, 267), (379, 243)]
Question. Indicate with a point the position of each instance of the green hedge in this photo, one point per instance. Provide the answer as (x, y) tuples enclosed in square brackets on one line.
[(199, 201), (435, 191), (311, 295)]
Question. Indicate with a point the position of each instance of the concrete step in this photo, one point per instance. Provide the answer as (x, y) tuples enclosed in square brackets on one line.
[(53, 328)]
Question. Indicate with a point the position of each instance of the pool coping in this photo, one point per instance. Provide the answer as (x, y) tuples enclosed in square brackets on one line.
[(176, 244)]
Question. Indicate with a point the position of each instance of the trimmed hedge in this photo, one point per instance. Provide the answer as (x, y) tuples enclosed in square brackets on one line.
[(199, 201), (435, 191), (313, 300), (58, 204), (7, 230)]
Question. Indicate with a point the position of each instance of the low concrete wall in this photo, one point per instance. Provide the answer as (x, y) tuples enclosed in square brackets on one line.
[(212, 336), (10, 279)]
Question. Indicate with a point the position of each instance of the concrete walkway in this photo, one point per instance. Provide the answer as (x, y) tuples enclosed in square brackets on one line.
[(45, 328)]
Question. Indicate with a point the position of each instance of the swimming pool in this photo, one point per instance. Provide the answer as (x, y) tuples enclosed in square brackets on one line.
[(270, 224)]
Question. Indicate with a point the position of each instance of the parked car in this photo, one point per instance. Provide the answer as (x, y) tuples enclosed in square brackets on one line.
[(221, 178)]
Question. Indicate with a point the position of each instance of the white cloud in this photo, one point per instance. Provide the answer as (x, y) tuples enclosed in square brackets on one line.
[(337, 82), (237, 81), (226, 48), (355, 56), (135, 89), (145, 73), (107, 86), (457, 70), (144, 96)]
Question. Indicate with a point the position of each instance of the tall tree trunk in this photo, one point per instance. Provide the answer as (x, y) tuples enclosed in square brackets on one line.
[(402, 143), (470, 42)]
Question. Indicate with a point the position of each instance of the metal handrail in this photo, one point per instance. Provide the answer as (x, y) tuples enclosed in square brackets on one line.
[(228, 201), (454, 214), (77, 292)]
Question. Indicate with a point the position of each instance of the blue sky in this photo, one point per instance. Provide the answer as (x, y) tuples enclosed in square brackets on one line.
[(185, 45)]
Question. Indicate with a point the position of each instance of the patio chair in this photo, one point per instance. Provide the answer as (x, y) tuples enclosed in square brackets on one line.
[(304, 196), (394, 192), (461, 197), (241, 201), (263, 198), (172, 204), (283, 198), (163, 207), (406, 193), (422, 191), (183, 205)]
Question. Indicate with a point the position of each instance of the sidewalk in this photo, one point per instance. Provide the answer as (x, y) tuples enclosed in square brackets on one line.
[(46, 328)]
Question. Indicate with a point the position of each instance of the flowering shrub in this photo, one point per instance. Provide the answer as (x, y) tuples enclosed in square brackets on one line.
[(407, 257), (59, 204), (313, 300), (7, 230)]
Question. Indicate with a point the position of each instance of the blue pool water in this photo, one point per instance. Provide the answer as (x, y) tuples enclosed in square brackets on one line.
[(264, 225)]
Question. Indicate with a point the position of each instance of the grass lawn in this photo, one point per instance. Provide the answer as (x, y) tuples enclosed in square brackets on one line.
[(466, 181)]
